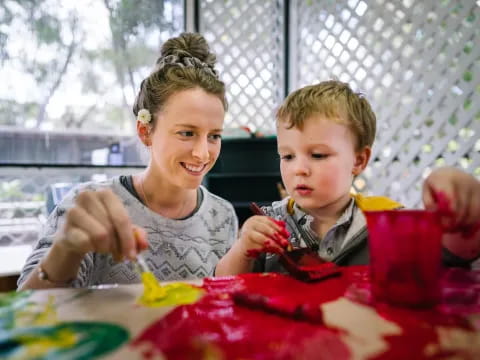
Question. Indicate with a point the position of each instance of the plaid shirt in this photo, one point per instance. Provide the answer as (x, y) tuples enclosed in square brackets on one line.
[(349, 229)]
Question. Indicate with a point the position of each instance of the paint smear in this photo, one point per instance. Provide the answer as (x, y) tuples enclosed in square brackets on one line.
[(30, 316), (30, 332), (71, 340), (218, 327), (155, 294), (10, 304)]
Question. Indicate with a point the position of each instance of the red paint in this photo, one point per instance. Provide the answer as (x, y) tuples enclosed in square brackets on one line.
[(444, 209), (268, 327), (216, 322), (306, 265), (405, 250)]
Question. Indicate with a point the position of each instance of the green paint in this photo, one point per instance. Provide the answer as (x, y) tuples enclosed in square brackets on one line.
[(13, 298), (70, 340), (91, 340), (10, 303)]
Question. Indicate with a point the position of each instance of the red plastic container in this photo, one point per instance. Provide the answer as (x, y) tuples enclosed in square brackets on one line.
[(405, 250)]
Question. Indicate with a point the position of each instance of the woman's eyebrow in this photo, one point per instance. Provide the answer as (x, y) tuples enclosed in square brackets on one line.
[(190, 126)]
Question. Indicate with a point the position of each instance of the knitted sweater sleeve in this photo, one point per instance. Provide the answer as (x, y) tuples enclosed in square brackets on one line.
[(54, 223)]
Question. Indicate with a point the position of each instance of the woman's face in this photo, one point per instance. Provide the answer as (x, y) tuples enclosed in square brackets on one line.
[(186, 140)]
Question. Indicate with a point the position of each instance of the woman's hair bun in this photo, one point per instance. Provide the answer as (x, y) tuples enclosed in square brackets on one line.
[(188, 45)]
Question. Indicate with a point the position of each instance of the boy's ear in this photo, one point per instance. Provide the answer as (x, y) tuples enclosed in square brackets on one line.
[(361, 160), (143, 131)]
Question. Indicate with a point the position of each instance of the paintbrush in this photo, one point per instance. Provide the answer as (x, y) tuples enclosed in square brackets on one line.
[(140, 264), (304, 263), (257, 210), (302, 312)]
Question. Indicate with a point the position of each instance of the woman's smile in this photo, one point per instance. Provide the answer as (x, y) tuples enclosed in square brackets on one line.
[(196, 170)]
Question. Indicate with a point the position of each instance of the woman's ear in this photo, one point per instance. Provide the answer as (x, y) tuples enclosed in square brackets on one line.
[(143, 131), (361, 160)]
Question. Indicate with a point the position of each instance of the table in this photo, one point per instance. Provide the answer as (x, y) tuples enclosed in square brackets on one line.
[(256, 316)]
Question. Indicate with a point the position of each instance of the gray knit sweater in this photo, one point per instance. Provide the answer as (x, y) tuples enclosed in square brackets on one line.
[(178, 249)]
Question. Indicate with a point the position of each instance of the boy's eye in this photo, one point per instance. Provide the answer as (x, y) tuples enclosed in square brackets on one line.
[(186, 133), (215, 136), (286, 157), (319, 156)]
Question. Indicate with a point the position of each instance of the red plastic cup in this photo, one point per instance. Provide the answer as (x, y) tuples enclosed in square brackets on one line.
[(405, 250)]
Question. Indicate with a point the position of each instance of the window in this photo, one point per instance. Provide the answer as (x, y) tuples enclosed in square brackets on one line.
[(66, 73)]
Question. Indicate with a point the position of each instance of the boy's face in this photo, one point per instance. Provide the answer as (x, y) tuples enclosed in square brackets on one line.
[(318, 163)]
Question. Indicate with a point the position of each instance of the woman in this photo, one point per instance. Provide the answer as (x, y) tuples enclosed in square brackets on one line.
[(180, 111)]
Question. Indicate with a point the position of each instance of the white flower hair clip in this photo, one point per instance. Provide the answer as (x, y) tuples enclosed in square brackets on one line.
[(144, 116)]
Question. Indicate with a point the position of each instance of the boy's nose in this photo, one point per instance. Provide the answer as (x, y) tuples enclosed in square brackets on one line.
[(200, 150), (302, 168)]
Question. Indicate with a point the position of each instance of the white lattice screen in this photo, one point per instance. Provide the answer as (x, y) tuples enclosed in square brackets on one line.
[(247, 37), (418, 62)]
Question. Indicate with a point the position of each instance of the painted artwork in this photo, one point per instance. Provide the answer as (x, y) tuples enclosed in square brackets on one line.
[(29, 332), (254, 316)]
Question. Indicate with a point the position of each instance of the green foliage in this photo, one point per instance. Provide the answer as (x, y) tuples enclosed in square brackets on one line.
[(467, 104), (467, 49), (471, 17), (467, 76), (109, 71), (11, 191), (429, 122), (453, 119), (13, 113), (47, 29)]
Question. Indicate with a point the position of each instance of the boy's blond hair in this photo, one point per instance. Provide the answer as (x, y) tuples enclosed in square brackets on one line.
[(335, 100)]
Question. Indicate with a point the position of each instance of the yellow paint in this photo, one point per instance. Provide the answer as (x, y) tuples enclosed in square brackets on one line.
[(152, 290), (48, 316), (38, 346), (30, 316), (171, 294)]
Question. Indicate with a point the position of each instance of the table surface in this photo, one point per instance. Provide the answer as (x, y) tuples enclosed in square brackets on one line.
[(217, 327)]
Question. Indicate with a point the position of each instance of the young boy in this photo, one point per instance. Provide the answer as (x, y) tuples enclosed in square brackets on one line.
[(325, 133)]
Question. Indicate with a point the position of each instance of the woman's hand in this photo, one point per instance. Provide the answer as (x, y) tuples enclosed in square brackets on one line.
[(262, 234), (98, 222)]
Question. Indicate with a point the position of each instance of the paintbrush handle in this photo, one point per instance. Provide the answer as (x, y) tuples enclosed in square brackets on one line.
[(141, 263), (257, 210)]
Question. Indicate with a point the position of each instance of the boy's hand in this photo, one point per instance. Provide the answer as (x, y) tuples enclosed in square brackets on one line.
[(263, 234), (455, 195)]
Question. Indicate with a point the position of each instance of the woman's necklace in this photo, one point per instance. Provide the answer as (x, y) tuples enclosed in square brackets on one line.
[(144, 195), (142, 179)]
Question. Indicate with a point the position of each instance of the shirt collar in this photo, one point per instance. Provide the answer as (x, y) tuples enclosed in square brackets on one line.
[(344, 219)]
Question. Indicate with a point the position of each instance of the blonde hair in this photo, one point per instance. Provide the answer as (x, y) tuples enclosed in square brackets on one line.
[(185, 62), (334, 100)]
